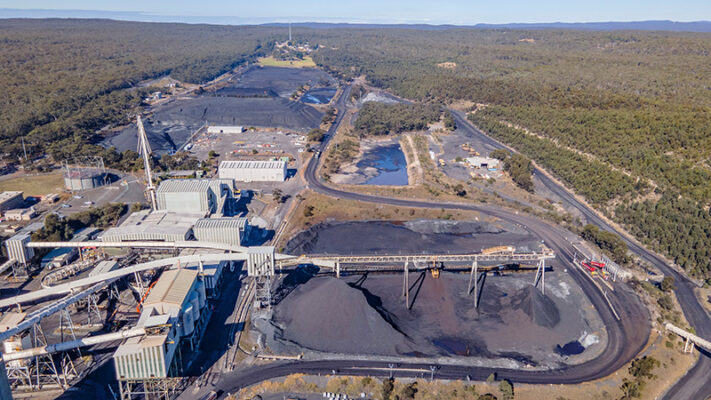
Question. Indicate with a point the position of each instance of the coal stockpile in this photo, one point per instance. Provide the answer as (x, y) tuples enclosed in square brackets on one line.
[(266, 112), (327, 314), (366, 314), (381, 237), (283, 81), (245, 92)]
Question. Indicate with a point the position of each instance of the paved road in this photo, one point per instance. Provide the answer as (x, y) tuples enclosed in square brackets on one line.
[(696, 384), (626, 335)]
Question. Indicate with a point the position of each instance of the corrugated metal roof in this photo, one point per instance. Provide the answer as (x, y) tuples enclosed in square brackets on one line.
[(184, 185), (135, 344), (172, 287), (11, 320), (103, 266), (4, 196), (224, 222), (253, 164), (156, 225)]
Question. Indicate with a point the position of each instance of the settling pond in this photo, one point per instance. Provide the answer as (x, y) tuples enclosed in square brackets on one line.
[(318, 96), (389, 162)]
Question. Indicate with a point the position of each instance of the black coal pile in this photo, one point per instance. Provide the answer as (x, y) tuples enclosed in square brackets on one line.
[(329, 315)]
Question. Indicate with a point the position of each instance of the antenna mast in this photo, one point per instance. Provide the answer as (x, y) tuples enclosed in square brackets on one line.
[(144, 148)]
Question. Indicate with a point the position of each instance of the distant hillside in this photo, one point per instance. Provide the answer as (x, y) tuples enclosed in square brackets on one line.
[(670, 26)]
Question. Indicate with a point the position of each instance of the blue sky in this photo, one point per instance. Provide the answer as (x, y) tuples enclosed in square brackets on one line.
[(390, 11)]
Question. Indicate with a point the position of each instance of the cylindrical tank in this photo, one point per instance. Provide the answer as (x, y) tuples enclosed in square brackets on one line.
[(188, 321), (201, 294), (196, 306)]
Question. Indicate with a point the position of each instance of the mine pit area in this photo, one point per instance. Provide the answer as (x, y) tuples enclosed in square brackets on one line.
[(364, 314)]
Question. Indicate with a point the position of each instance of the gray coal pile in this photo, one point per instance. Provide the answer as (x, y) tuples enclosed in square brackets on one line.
[(327, 314), (366, 314), (541, 309), (383, 237)]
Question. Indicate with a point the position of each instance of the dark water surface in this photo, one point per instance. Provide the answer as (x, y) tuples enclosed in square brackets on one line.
[(391, 165)]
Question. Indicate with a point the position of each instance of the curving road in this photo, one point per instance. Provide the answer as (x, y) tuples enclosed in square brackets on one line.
[(696, 383), (627, 334)]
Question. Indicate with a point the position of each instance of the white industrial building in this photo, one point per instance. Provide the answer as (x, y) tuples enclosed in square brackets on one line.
[(194, 195), (483, 162), (224, 129), (221, 230), (158, 225), (253, 171), (175, 310), (16, 245), (17, 248), (260, 261)]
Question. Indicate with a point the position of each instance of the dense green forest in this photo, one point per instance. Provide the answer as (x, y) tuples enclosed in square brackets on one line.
[(624, 118), (62, 80), (382, 119)]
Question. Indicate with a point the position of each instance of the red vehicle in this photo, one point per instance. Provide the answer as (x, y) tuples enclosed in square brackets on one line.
[(597, 264), (592, 269)]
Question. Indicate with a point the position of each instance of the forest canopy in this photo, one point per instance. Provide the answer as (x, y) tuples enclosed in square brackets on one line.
[(623, 118)]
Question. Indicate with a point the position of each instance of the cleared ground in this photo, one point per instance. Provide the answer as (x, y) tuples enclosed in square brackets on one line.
[(270, 61), (35, 185)]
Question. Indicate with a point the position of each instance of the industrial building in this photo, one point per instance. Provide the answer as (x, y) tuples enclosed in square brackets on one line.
[(253, 171), (175, 313), (260, 261), (10, 200), (483, 162), (20, 214), (63, 256), (204, 196), (84, 178), (221, 230), (161, 225), (224, 129), (210, 272), (17, 248)]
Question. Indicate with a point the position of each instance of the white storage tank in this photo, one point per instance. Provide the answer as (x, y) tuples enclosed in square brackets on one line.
[(195, 305), (202, 296), (188, 321)]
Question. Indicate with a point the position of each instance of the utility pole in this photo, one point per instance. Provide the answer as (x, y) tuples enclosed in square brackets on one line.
[(24, 151), (289, 32)]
